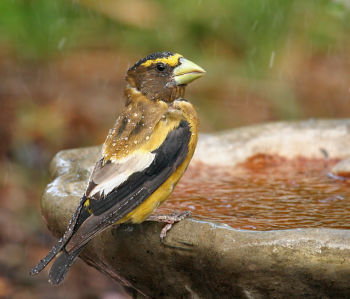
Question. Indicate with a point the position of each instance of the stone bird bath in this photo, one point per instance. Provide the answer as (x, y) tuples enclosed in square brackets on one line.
[(203, 259)]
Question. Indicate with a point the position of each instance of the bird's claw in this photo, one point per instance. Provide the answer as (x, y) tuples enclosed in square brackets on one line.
[(169, 220)]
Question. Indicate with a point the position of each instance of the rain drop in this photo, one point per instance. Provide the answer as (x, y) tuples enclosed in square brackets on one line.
[(272, 59), (61, 43)]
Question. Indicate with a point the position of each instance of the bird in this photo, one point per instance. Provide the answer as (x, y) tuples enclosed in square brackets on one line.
[(142, 159)]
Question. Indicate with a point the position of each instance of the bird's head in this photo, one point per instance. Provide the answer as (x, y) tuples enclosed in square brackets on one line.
[(163, 76)]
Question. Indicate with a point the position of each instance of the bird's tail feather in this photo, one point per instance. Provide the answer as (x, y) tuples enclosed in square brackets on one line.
[(62, 264), (61, 243), (47, 259)]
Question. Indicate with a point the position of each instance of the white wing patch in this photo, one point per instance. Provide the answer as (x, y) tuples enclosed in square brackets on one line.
[(112, 174)]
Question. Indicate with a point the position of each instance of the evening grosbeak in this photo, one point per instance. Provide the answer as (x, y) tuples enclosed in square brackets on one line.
[(143, 157)]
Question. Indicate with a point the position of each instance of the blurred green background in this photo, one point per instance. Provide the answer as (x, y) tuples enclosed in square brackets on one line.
[(62, 68)]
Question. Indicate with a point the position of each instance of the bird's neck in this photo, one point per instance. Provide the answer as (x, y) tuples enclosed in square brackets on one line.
[(177, 93), (131, 92)]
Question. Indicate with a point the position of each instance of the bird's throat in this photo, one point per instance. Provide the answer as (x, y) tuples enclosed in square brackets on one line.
[(177, 92)]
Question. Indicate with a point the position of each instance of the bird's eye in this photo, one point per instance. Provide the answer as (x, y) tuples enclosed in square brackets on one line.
[(160, 66)]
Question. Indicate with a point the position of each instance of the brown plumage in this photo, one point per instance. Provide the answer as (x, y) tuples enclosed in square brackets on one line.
[(143, 157)]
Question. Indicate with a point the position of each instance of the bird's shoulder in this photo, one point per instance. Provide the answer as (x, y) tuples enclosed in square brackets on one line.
[(140, 134), (133, 128)]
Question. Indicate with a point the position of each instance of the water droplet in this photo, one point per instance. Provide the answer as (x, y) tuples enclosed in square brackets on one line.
[(135, 114), (135, 141), (255, 24), (272, 59), (147, 137), (61, 43)]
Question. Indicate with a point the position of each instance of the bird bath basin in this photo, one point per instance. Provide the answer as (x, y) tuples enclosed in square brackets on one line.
[(268, 218), (266, 192)]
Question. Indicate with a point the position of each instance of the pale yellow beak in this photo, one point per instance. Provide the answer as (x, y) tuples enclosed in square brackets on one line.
[(187, 71)]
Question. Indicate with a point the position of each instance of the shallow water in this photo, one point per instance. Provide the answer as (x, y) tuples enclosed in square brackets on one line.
[(265, 193)]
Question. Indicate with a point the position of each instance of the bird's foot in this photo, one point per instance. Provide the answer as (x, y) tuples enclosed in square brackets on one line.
[(169, 220)]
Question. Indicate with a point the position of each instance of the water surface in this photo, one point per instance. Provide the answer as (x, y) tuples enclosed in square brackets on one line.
[(265, 193)]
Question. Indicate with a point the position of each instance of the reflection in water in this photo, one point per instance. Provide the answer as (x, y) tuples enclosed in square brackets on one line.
[(264, 193)]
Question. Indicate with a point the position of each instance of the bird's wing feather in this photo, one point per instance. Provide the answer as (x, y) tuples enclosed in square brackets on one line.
[(125, 197), (121, 154), (108, 176)]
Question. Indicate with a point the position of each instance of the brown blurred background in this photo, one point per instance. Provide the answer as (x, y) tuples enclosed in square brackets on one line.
[(62, 68)]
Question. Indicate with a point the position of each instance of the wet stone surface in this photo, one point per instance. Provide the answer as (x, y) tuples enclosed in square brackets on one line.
[(201, 259)]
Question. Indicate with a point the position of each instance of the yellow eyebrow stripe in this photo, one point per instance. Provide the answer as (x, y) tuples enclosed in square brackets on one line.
[(171, 60)]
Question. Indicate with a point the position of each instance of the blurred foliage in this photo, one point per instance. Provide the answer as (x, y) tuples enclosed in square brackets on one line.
[(63, 62), (37, 28), (250, 30), (237, 38)]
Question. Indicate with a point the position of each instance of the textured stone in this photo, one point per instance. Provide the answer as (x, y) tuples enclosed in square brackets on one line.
[(204, 260), (290, 139)]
